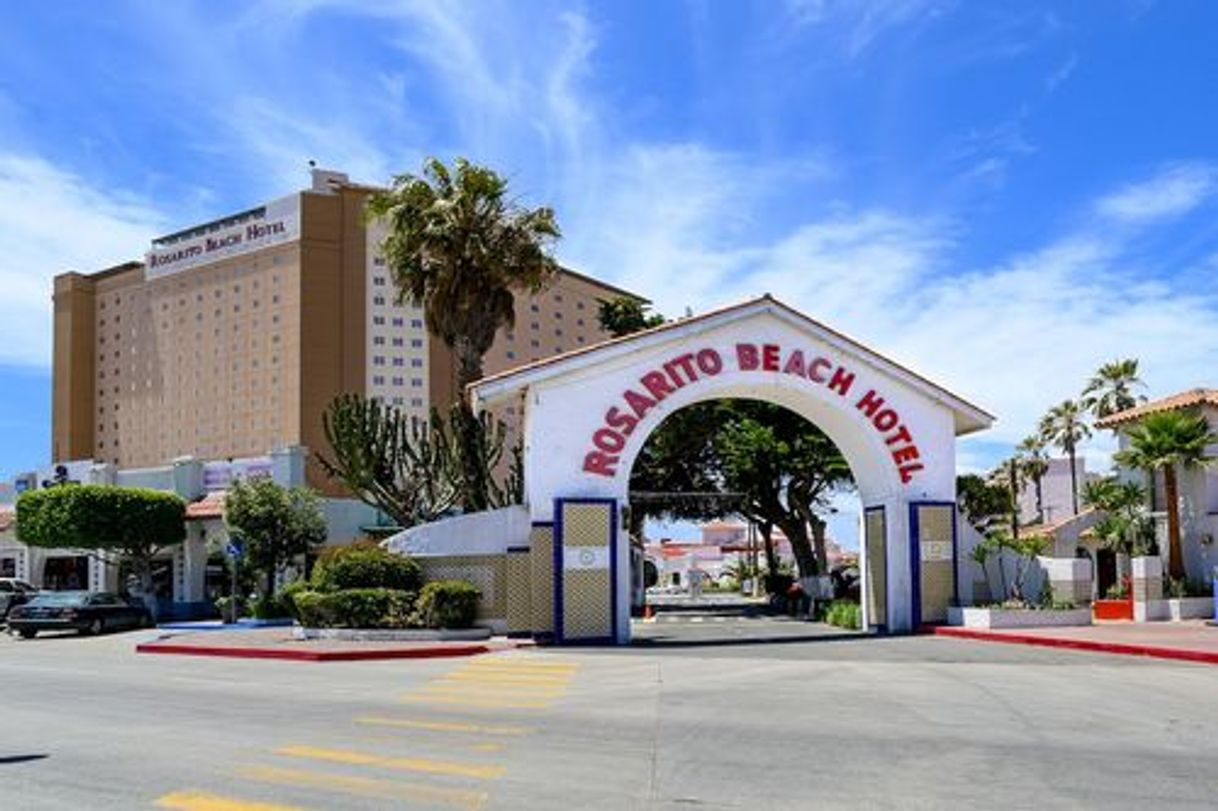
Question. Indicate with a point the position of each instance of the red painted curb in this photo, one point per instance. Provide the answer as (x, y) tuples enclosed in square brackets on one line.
[(1179, 654), (312, 656)]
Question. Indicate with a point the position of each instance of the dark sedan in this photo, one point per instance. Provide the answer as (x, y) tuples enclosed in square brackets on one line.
[(87, 612)]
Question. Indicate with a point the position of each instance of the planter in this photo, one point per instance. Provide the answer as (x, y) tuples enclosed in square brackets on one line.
[(1113, 610), (392, 634), (1191, 608), (1018, 617)]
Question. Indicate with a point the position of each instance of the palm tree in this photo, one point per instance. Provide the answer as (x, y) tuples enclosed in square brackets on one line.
[(1064, 427), (458, 247), (1168, 440), (1110, 389), (1034, 463)]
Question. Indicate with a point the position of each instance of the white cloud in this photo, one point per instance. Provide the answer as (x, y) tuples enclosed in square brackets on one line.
[(54, 221), (1173, 191), (860, 23)]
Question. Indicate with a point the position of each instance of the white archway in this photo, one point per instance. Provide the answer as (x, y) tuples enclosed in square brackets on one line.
[(588, 413)]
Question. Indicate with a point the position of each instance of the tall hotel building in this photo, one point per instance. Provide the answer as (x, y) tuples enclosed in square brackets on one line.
[(231, 337)]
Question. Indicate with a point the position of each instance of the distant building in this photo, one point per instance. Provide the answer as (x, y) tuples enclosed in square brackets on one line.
[(1056, 492), (232, 336)]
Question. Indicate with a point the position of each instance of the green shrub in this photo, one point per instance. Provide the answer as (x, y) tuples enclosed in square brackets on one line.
[(448, 604), (223, 604), (311, 609), (355, 608), (270, 608), (844, 614), (365, 567), (286, 597)]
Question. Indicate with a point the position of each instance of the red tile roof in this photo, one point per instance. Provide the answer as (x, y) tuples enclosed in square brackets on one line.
[(208, 507), (1185, 399)]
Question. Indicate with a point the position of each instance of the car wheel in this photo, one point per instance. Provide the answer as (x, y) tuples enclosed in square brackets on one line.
[(95, 627), (26, 633)]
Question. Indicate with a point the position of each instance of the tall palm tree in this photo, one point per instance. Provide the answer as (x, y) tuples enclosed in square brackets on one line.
[(460, 248), (1168, 440), (1034, 464), (1064, 427), (1110, 389)]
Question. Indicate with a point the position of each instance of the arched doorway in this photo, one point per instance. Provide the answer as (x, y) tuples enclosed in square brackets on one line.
[(587, 414), (750, 513)]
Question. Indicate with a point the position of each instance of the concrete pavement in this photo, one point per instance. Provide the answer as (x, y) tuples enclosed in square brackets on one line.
[(840, 723)]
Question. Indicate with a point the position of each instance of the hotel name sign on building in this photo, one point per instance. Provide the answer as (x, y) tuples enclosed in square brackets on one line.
[(272, 224), (687, 369)]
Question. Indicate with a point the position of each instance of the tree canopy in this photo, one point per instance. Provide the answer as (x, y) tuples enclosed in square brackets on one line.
[(625, 315), (277, 523), (414, 470), (459, 247), (129, 520)]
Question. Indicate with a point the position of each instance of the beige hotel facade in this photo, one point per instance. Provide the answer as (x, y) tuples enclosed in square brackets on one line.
[(230, 338)]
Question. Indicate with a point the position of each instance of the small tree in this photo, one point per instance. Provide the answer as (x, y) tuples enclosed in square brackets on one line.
[(135, 523), (416, 470), (625, 315), (277, 523), (1167, 441)]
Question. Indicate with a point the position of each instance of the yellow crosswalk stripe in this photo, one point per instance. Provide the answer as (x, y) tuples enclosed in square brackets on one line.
[(513, 678), (478, 688), (463, 799), (454, 768), (203, 801), (470, 701), (443, 726), (505, 664)]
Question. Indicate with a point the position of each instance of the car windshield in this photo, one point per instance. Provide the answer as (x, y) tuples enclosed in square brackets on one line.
[(60, 598)]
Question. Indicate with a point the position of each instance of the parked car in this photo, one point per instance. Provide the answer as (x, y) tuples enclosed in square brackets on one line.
[(14, 592), (87, 612)]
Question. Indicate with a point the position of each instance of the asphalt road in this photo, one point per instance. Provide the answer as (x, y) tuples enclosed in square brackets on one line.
[(839, 722)]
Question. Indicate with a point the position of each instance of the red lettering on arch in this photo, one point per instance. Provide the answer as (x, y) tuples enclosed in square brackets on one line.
[(747, 357), (657, 383), (602, 464)]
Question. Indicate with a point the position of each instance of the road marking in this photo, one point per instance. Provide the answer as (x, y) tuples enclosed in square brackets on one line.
[(202, 801), (520, 678), (454, 768), (443, 726), (479, 688), (469, 701), (539, 667), (368, 787)]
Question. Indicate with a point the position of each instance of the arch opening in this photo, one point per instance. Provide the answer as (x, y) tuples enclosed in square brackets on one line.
[(774, 514)]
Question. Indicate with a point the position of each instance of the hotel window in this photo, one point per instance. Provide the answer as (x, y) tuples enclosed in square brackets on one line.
[(535, 343), (579, 305), (399, 361), (399, 341), (511, 355), (416, 401), (378, 320), (397, 322), (558, 296), (378, 301), (579, 322), (417, 343), (378, 380), (378, 360), (398, 400), (558, 316), (416, 363), (378, 281), (379, 262), (417, 323), (417, 382), (378, 340), (534, 308), (399, 381)]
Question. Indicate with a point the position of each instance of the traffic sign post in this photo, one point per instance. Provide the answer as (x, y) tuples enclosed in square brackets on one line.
[(235, 550)]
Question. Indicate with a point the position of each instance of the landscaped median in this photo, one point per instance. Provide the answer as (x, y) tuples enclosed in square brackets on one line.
[(281, 643)]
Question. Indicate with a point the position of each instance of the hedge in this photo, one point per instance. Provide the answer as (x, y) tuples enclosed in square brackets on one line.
[(844, 614), (355, 608), (448, 604), (100, 516), (364, 567)]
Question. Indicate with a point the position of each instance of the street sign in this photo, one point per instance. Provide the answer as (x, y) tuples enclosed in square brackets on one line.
[(235, 548)]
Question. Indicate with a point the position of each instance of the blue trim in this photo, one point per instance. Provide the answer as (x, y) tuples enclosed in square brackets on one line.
[(543, 523), (519, 549), (883, 625), (560, 572), (915, 558)]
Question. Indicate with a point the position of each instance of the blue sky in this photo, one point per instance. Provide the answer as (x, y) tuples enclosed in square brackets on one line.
[(1002, 195)]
